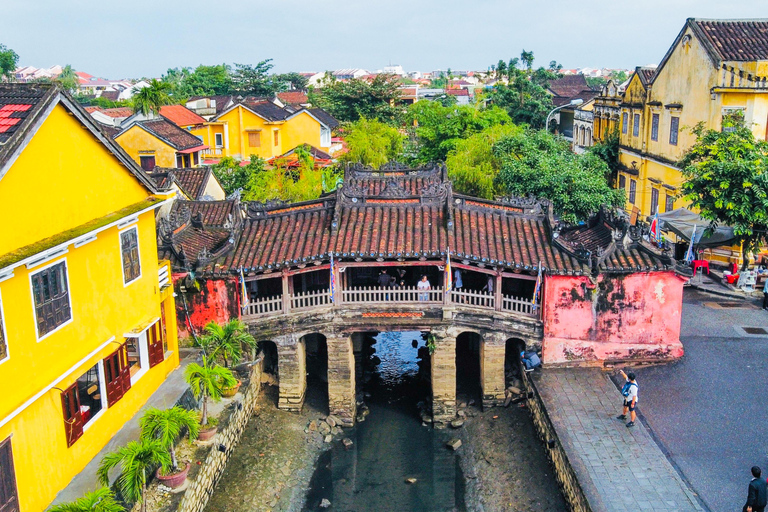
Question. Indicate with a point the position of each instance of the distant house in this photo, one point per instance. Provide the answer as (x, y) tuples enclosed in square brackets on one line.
[(293, 98), (181, 116), (564, 90), (461, 95), (158, 142), (209, 107), (349, 74), (193, 183), (112, 116)]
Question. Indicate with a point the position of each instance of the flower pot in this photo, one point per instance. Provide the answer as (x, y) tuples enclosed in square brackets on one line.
[(206, 434), (231, 391), (174, 480)]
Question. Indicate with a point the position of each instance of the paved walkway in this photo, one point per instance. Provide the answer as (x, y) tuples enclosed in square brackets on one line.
[(619, 468), (166, 396)]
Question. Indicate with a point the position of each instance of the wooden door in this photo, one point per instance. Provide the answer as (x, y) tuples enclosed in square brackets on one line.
[(9, 497), (125, 367), (155, 344), (73, 419), (113, 378)]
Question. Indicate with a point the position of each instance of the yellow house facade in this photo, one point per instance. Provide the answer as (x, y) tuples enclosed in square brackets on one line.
[(713, 69), (87, 315), (158, 142)]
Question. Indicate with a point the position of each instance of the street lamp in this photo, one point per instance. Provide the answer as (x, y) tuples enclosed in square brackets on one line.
[(573, 103)]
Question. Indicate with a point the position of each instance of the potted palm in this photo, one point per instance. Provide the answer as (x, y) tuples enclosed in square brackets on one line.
[(207, 381), (101, 500), (167, 426), (226, 342), (137, 459)]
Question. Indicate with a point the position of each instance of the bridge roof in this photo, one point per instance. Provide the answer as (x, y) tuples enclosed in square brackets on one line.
[(399, 213)]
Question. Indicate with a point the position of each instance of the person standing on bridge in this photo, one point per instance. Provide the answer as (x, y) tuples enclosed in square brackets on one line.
[(757, 495), (423, 287), (629, 392)]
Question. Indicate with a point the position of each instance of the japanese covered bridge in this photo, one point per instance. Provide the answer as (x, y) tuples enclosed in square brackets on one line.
[(604, 294)]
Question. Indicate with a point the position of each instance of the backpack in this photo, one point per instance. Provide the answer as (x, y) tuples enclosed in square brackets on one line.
[(627, 386)]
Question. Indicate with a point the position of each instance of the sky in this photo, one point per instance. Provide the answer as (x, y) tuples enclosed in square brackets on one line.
[(143, 38)]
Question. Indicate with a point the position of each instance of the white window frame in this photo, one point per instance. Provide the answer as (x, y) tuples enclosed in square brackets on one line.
[(138, 249), (34, 306), (143, 353), (4, 331), (218, 140), (102, 392), (325, 137)]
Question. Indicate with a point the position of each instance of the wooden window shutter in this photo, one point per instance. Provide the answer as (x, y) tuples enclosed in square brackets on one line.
[(155, 345), (125, 367), (73, 420), (9, 497), (254, 139), (113, 377)]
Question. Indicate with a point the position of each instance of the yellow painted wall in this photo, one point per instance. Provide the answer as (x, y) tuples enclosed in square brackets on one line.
[(301, 129), (52, 202), (136, 139)]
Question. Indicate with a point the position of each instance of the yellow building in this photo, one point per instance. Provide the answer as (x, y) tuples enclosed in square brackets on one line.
[(257, 126), (713, 68), (607, 111), (158, 142), (87, 315)]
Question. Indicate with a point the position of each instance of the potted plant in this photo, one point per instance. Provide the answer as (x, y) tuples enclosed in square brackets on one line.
[(101, 500), (207, 381), (137, 459), (226, 341), (166, 426)]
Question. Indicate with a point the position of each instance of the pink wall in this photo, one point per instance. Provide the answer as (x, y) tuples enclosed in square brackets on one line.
[(622, 317), (216, 301)]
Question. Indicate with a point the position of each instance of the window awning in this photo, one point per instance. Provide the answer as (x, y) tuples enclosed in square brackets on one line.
[(682, 221), (194, 149)]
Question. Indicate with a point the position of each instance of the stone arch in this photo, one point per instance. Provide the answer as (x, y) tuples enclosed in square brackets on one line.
[(469, 347), (589, 136), (316, 365), (512, 348), (291, 360), (268, 351)]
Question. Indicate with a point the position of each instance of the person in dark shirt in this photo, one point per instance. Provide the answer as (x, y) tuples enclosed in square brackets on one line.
[(757, 495), (384, 279)]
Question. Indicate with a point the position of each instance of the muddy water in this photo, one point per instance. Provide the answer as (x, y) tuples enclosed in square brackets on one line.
[(391, 445)]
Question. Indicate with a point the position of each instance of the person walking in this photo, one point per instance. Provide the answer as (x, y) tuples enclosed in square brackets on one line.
[(629, 392), (765, 295), (757, 494), (423, 287), (489, 285), (457, 279)]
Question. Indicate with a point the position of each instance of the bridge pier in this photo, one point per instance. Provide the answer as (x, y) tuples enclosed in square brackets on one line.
[(341, 378), (492, 356), (444, 378), (292, 364)]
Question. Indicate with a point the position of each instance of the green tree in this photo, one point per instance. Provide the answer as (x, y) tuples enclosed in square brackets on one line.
[(167, 426), (68, 80), (136, 460), (535, 162), (150, 99), (371, 142), (501, 69), (439, 128), (286, 183), (608, 151), (296, 80), (227, 341), (726, 180), (233, 176), (472, 164), (9, 59), (255, 80), (525, 97), (351, 100), (207, 381), (202, 81), (100, 500)]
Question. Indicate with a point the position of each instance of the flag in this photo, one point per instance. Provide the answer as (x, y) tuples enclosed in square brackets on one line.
[(244, 296), (448, 274), (537, 290), (655, 228), (333, 278), (689, 254)]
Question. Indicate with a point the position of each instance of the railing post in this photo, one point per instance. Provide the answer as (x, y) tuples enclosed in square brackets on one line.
[(497, 289), (339, 286), (286, 292)]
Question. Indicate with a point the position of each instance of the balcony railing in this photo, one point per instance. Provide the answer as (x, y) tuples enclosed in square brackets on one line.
[(376, 296), (213, 152)]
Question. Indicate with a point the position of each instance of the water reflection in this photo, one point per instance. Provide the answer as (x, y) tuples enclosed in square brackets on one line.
[(391, 445)]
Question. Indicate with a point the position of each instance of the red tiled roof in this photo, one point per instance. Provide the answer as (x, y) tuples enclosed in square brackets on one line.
[(170, 133), (457, 92), (180, 115), (293, 97), (110, 95), (737, 40), (646, 74), (117, 112), (91, 110), (193, 180), (568, 85), (16, 105)]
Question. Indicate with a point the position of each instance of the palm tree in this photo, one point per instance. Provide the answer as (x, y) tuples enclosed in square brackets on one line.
[(167, 426), (227, 341), (150, 99), (101, 500), (207, 382), (137, 459)]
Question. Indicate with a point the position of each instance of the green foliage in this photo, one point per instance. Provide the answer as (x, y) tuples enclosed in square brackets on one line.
[(608, 151), (296, 80), (68, 80), (255, 80), (102, 102), (472, 164), (202, 81), (227, 341), (136, 460), (207, 381), (439, 128), (727, 181), (535, 162), (9, 59), (372, 142), (233, 176), (287, 184), (167, 426), (525, 97), (150, 99), (353, 99), (101, 500)]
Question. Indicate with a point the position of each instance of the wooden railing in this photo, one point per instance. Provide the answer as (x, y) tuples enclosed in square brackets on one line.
[(473, 298), (375, 294), (517, 305), (263, 306), (305, 300)]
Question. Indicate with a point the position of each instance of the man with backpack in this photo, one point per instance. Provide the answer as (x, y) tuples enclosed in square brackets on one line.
[(757, 496), (629, 392)]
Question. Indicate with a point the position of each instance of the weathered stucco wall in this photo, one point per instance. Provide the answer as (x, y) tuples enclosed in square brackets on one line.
[(626, 317), (217, 301)]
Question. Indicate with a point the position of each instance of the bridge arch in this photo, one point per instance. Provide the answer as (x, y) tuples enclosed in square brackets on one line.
[(469, 347)]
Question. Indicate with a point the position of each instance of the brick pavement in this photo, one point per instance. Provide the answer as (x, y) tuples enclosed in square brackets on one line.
[(619, 468)]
